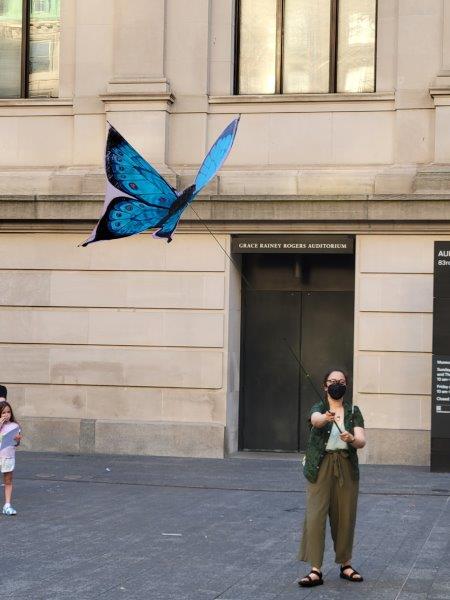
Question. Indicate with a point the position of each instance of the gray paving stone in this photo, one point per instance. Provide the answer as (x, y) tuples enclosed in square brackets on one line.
[(85, 532)]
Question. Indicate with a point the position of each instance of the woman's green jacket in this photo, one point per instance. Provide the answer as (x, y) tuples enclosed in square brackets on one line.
[(318, 439)]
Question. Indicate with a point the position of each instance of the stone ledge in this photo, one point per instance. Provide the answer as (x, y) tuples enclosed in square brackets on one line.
[(18, 107), (129, 101), (201, 440), (138, 97), (33, 102), (432, 180), (86, 209), (42, 434), (138, 85), (396, 447), (156, 438), (441, 95), (286, 98), (197, 440)]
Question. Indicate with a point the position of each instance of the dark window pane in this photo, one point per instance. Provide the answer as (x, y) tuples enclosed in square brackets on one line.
[(257, 59), (306, 67), (356, 46), (44, 48), (10, 48)]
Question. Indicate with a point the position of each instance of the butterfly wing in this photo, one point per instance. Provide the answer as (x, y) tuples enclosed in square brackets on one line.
[(148, 195), (216, 156), (130, 173), (125, 216)]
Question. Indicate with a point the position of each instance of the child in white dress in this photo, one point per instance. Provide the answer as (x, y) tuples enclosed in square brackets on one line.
[(8, 453)]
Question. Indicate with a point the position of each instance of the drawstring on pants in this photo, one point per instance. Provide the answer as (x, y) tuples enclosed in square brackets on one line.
[(337, 456)]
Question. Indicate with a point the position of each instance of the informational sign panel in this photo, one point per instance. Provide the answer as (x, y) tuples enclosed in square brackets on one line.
[(440, 417), (301, 244), (441, 383)]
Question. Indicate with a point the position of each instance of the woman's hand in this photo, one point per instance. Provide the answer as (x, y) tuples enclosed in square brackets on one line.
[(18, 437), (329, 416), (358, 440), (347, 437), (321, 419)]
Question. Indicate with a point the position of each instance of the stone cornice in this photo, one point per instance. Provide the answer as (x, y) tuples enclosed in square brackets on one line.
[(137, 101), (380, 101), (283, 98), (239, 211), (32, 102), (138, 97), (440, 95), (17, 107)]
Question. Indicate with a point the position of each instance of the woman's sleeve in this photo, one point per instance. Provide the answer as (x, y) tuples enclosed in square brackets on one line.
[(317, 407), (358, 419)]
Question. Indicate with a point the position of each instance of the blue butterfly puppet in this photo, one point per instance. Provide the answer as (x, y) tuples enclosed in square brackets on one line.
[(139, 198)]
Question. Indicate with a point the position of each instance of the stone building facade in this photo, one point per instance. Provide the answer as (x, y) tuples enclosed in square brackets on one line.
[(136, 346)]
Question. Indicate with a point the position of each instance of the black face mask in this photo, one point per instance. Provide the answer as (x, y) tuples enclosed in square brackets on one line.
[(337, 390)]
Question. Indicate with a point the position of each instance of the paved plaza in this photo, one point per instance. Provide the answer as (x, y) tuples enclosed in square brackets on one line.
[(165, 528)]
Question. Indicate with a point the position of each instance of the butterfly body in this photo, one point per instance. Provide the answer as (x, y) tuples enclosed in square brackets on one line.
[(139, 198), (170, 221)]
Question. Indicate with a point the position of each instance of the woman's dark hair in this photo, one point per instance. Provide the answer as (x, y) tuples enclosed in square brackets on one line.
[(344, 373), (3, 405), (3, 392)]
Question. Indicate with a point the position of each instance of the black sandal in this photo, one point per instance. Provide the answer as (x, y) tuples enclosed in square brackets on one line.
[(352, 576), (311, 582)]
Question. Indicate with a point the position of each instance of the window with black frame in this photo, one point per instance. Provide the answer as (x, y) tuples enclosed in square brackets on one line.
[(29, 48), (305, 46)]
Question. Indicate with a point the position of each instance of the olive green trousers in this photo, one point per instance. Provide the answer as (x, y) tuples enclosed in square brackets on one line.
[(334, 494)]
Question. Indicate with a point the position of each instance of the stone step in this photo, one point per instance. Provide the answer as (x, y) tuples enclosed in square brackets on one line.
[(432, 180)]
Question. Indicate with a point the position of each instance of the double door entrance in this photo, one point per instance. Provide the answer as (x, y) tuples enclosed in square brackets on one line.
[(296, 308)]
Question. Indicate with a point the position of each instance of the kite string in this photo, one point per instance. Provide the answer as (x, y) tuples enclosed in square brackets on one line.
[(308, 376), (230, 258), (251, 288)]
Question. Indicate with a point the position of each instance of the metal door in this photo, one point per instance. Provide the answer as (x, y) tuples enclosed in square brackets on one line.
[(270, 374), (307, 301)]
